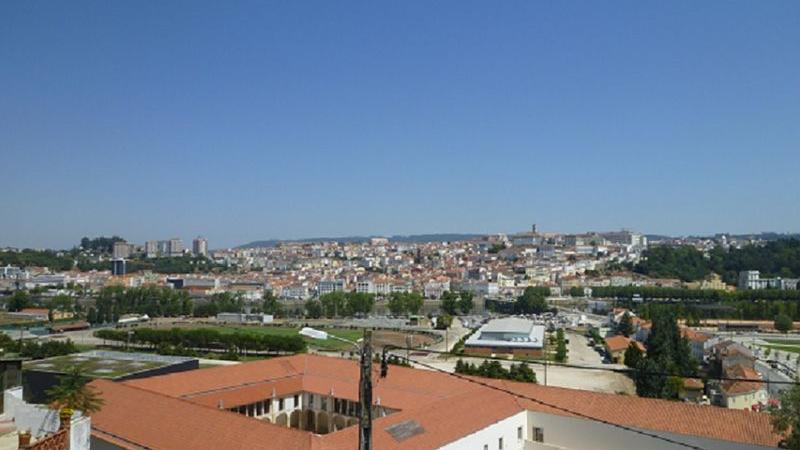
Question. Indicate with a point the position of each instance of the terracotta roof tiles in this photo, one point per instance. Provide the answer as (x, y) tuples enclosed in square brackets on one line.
[(179, 411)]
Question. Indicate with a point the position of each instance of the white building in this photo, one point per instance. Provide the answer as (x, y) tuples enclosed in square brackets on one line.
[(511, 335), (175, 247), (329, 286), (151, 249), (200, 246), (244, 318)]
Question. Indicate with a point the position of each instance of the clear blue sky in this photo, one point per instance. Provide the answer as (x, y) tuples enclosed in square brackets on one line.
[(251, 120)]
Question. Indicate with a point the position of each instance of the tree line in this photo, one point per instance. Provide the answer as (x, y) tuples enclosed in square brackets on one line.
[(405, 303), (115, 301), (739, 310), (205, 339), (493, 369), (36, 349), (699, 295), (454, 302)]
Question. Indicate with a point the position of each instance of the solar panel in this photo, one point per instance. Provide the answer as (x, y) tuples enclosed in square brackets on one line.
[(405, 430)]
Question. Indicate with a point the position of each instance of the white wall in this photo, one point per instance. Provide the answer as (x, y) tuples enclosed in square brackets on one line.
[(506, 428), (577, 434), (42, 420)]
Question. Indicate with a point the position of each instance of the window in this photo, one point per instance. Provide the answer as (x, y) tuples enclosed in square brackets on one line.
[(280, 405), (519, 432), (538, 434), (500, 444), (296, 401)]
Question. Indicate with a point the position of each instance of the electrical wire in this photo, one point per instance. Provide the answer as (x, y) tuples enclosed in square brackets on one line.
[(607, 369), (554, 406)]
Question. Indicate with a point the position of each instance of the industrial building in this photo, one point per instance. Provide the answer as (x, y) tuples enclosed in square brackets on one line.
[(511, 336)]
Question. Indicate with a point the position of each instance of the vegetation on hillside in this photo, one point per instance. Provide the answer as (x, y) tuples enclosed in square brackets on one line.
[(780, 258)]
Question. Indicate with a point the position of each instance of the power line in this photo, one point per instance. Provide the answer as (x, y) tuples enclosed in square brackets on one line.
[(607, 369), (559, 408)]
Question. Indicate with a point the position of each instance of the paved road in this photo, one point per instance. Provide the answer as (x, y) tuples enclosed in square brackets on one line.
[(771, 374)]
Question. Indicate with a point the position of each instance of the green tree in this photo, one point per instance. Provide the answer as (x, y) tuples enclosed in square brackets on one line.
[(668, 352), (397, 304), (576, 291), (405, 303), (786, 419), (465, 303), (73, 393), (271, 305), (522, 372), (633, 355), (532, 301), (783, 323), (414, 302), (19, 300), (61, 302), (449, 303), (444, 321), (334, 304), (358, 303), (561, 346), (314, 309)]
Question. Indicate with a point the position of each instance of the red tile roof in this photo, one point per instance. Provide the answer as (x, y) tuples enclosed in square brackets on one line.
[(179, 411), (732, 387), (617, 343)]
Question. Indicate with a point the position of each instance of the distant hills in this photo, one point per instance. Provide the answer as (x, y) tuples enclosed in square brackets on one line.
[(448, 237), (414, 238), (765, 236)]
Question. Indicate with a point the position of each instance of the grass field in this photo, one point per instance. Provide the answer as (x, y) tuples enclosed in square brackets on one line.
[(330, 344), (789, 341), (783, 347)]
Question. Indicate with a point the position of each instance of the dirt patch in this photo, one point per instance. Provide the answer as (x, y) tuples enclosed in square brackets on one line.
[(381, 338)]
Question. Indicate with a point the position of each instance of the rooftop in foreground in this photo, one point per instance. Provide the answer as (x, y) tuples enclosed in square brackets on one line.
[(270, 404)]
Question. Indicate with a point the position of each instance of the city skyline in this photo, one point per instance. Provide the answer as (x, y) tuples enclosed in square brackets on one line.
[(288, 121)]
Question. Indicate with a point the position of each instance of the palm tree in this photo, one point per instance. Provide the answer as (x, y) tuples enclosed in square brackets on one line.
[(72, 393)]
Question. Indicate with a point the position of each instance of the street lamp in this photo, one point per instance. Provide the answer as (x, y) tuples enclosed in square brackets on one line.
[(364, 384)]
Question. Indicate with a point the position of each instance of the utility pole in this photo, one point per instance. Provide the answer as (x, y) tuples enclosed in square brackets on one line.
[(365, 394)]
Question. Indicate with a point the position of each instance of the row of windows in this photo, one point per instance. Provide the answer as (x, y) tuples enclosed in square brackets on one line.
[(263, 407)]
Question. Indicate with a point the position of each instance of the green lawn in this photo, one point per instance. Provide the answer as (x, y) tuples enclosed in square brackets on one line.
[(784, 341), (330, 344), (784, 348)]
